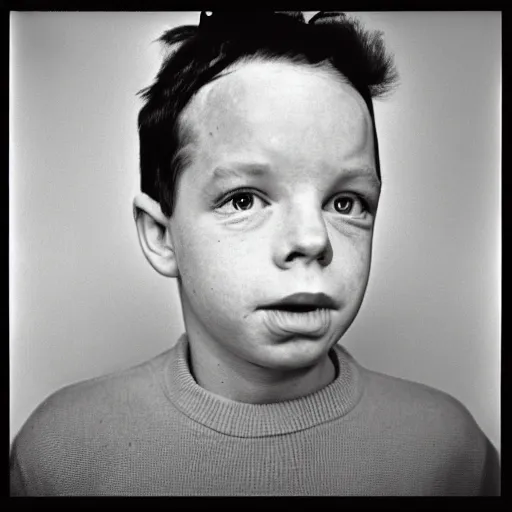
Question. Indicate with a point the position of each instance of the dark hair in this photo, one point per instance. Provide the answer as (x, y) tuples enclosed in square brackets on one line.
[(197, 54)]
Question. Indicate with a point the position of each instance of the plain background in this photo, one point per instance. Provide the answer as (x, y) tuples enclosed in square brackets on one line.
[(84, 301)]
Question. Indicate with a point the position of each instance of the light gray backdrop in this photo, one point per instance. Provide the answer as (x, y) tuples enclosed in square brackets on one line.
[(84, 302)]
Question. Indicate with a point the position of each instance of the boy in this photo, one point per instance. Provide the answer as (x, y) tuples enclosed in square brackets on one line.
[(260, 181)]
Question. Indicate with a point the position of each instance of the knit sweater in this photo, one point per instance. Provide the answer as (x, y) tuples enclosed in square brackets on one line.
[(152, 430)]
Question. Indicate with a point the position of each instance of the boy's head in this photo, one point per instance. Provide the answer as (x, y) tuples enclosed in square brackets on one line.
[(261, 180)]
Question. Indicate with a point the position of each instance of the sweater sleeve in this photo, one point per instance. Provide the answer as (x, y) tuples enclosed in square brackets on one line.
[(491, 477), (17, 481)]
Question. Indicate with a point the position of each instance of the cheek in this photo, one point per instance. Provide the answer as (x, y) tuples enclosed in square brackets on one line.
[(212, 265), (353, 264)]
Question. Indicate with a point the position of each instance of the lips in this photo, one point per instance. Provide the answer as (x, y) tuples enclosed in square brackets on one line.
[(303, 302), (302, 313)]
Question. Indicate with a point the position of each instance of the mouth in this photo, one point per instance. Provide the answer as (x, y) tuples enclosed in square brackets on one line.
[(303, 303), (285, 320), (295, 308)]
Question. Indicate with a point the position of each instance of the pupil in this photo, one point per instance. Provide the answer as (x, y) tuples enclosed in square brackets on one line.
[(243, 201), (343, 205)]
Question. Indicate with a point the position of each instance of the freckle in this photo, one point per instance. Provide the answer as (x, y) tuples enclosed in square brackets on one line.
[(129, 444), (101, 421)]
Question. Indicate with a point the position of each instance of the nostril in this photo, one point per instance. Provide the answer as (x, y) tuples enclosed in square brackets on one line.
[(293, 255), (321, 257)]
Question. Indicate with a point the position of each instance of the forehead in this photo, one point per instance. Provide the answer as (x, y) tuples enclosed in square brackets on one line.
[(294, 114)]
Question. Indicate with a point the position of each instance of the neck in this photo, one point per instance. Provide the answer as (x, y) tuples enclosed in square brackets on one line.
[(228, 376)]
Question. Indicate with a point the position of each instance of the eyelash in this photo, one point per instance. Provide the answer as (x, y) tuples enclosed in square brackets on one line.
[(231, 195), (365, 205)]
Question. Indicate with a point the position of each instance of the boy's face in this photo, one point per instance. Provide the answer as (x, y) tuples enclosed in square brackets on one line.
[(279, 198)]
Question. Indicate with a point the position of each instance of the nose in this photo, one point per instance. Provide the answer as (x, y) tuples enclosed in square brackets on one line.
[(303, 237)]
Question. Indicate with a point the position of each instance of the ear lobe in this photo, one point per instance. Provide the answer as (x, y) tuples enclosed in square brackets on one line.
[(154, 235)]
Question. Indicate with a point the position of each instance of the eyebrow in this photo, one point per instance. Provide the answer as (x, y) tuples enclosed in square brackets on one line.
[(239, 170), (369, 173), (242, 169)]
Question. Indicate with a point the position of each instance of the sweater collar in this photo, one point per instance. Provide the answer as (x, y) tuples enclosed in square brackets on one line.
[(260, 420)]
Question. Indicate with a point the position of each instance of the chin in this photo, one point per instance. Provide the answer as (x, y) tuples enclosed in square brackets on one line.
[(295, 354)]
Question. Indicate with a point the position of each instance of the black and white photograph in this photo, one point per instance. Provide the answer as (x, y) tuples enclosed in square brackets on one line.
[(255, 253)]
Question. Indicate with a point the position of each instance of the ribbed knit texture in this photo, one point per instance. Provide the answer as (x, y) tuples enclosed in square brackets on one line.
[(152, 430)]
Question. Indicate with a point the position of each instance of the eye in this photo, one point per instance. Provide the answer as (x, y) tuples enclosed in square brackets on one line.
[(241, 201), (350, 205)]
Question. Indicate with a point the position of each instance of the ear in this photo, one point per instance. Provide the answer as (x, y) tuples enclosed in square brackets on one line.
[(154, 235)]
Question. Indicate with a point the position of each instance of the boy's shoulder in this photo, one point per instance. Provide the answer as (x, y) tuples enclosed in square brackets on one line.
[(405, 406), (428, 428), (77, 425), (89, 406), (126, 388)]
